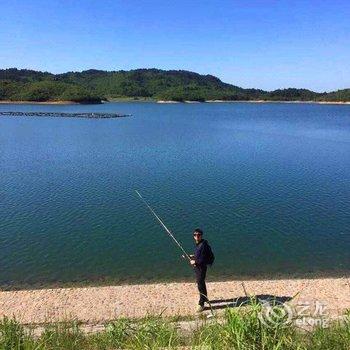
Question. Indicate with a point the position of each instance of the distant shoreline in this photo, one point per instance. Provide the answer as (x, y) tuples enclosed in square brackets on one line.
[(261, 101), (94, 86), (172, 102)]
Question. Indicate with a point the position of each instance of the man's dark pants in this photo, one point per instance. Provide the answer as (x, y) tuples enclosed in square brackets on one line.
[(201, 272)]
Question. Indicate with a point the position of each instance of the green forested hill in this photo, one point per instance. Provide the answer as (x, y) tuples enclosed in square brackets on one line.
[(92, 86)]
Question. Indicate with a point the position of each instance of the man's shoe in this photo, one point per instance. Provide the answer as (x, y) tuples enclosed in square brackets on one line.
[(200, 308)]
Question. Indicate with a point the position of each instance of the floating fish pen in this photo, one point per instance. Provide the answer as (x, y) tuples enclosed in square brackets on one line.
[(65, 115)]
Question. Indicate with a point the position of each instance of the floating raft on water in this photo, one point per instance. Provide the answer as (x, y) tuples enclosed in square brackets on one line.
[(65, 115)]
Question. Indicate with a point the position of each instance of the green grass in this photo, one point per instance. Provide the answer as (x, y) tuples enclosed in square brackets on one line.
[(149, 333), (240, 329), (244, 330)]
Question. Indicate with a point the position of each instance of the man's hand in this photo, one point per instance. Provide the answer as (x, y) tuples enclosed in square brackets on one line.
[(193, 262)]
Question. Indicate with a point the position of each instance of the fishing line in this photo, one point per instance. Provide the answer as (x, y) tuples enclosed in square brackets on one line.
[(163, 225)]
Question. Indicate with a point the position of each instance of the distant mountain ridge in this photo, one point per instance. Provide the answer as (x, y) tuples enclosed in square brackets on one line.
[(93, 86)]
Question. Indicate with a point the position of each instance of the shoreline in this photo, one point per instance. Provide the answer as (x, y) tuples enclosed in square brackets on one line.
[(113, 282), (125, 100), (103, 304), (256, 101), (272, 101)]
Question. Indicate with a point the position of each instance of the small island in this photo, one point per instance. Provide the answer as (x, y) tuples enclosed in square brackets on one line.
[(95, 86)]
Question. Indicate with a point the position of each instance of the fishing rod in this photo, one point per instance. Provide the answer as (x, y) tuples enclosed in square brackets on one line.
[(163, 225)]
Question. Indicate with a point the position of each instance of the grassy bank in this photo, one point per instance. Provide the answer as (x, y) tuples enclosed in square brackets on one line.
[(240, 328)]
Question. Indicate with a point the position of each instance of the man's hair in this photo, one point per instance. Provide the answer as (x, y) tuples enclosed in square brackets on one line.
[(198, 230)]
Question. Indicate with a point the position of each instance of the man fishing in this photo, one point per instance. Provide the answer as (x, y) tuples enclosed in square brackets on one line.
[(202, 257)]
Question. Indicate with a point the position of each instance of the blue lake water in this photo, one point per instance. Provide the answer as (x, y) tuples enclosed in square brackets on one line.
[(268, 183)]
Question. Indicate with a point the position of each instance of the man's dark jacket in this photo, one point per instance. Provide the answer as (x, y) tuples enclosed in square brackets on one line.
[(201, 254)]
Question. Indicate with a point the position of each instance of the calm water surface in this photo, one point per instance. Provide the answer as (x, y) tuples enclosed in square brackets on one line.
[(268, 183)]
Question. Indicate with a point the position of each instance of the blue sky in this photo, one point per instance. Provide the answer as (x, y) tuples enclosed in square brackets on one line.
[(262, 44)]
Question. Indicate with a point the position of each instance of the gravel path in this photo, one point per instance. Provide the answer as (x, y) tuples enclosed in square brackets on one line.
[(100, 304)]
